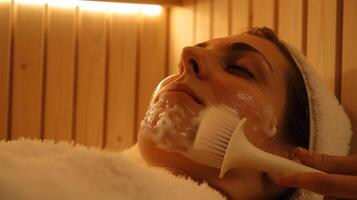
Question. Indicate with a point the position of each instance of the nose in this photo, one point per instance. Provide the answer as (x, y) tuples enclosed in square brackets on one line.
[(192, 60)]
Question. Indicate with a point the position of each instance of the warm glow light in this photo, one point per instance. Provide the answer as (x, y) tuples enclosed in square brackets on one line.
[(5, 1), (34, 2), (63, 4), (124, 8), (120, 7)]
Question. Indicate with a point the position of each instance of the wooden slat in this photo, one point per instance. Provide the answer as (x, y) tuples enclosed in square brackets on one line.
[(152, 61), (264, 13), (349, 66), (5, 51), (180, 37), (220, 18), (291, 27), (27, 71), (160, 2), (239, 16), (60, 73), (321, 38), (90, 78), (203, 21), (121, 82)]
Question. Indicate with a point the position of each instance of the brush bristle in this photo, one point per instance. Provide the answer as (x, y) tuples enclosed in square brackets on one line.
[(213, 135)]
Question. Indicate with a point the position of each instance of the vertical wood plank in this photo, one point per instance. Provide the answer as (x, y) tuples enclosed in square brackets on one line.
[(5, 52), (264, 13), (121, 82), (152, 60), (90, 78), (291, 27), (240, 11), (321, 39), (349, 66), (220, 19), (203, 21), (59, 73), (27, 71), (182, 16)]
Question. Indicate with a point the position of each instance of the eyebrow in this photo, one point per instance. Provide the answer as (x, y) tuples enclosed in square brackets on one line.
[(202, 44), (240, 46)]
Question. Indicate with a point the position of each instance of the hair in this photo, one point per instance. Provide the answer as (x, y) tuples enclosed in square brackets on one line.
[(296, 124)]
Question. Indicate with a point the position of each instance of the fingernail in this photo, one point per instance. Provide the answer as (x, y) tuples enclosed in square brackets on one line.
[(296, 159), (295, 153), (303, 152), (275, 177), (280, 180)]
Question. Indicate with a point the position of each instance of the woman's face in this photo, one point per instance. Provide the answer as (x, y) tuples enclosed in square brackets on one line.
[(243, 72)]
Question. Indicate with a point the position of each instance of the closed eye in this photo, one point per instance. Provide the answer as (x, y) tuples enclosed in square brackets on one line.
[(239, 70)]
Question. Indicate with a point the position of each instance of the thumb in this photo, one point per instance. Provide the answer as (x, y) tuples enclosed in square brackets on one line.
[(327, 163), (319, 161), (331, 198)]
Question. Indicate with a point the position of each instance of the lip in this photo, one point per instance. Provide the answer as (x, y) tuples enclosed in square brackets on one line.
[(186, 90)]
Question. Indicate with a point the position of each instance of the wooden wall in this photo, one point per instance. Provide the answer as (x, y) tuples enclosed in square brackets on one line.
[(73, 74)]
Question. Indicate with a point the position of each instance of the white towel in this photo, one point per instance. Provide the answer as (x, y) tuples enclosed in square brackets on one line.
[(34, 170), (330, 128)]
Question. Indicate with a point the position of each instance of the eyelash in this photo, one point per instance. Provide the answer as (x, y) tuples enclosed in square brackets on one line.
[(238, 69)]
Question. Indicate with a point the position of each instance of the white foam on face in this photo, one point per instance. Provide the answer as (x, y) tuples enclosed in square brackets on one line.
[(273, 132), (268, 124), (267, 120), (171, 126)]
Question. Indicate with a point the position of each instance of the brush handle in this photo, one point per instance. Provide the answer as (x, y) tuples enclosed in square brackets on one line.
[(268, 162), (241, 153)]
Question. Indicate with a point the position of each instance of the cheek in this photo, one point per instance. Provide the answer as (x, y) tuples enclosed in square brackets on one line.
[(249, 102)]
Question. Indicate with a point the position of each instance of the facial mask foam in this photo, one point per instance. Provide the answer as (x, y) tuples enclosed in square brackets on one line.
[(262, 115), (171, 125)]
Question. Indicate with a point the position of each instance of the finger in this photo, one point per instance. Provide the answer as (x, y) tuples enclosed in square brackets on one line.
[(333, 185), (331, 198), (327, 163)]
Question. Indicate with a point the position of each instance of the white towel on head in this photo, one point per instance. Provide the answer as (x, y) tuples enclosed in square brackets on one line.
[(330, 128)]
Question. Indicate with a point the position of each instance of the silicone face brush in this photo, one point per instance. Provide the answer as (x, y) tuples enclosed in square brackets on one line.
[(221, 143)]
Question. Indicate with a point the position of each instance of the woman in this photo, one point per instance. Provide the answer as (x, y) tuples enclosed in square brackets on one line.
[(256, 75)]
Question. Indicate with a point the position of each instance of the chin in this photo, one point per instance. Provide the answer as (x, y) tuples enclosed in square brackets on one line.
[(175, 162)]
